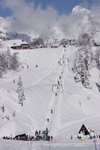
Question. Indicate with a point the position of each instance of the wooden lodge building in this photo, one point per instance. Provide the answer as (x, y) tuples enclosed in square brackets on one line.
[(21, 44)]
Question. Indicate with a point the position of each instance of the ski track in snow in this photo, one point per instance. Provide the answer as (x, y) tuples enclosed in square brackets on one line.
[(56, 100)]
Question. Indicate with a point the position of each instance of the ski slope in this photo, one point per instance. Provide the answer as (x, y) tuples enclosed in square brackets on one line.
[(39, 87)]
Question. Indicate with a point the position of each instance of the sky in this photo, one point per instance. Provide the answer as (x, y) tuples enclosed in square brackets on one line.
[(48, 17), (62, 6)]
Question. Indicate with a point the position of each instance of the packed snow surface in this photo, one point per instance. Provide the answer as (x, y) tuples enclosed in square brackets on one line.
[(40, 73)]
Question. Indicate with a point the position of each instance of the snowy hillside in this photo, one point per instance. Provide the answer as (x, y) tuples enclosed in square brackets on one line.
[(40, 72), (49, 75), (38, 82)]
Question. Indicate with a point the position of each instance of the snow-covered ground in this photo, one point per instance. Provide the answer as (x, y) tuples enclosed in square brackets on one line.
[(44, 145), (40, 85)]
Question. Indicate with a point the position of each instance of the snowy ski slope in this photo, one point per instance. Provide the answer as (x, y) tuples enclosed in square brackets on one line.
[(39, 87)]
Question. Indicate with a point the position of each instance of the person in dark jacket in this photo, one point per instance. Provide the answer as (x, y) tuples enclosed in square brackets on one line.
[(36, 133), (51, 137)]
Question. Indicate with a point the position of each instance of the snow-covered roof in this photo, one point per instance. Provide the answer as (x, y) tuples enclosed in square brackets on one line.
[(16, 42)]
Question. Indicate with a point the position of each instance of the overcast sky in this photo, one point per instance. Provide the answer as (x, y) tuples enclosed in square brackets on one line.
[(48, 16)]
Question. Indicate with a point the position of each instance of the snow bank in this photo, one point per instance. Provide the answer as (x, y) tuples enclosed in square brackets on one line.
[(11, 128)]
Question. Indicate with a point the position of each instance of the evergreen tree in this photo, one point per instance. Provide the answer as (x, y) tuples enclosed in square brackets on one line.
[(14, 62), (20, 92), (86, 80), (75, 65), (85, 42), (82, 73), (80, 68), (8, 59), (1, 66), (87, 65), (0, 74), (97, 58), (3, 61)]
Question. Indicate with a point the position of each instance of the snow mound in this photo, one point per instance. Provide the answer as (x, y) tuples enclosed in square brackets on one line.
[(11, 128)]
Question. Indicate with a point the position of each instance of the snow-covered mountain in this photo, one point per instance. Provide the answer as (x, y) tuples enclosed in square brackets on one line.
[(5, 35), (78, 10), (29, 37), (81, 20)]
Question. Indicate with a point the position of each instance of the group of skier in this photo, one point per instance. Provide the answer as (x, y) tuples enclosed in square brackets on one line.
[(38, 136), (43, 135)]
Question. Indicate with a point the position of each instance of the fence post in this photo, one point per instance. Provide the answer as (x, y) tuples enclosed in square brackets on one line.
[(49, 147)]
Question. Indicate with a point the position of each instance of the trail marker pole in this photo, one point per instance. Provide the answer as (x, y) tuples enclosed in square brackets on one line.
[(95, 147), (95, 141), (41, 145), (49, 147)]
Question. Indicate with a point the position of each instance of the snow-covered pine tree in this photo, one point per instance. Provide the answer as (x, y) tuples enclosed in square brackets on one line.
[(14, 62), (20, 92), (85, 42), (3, 61), (97, 58), (82, 72), (8, 59), (86, 80), (75, 65), (0, 72), (1, 65), (87, 65), (80, 68)]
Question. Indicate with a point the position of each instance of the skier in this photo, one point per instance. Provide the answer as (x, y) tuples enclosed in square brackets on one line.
[(13, 81), (71, 136), (51, 137), (27, 66), (36, 133), (57, 87), (47, 119), (59, 77), (36, 66), (55, 94), (51, 111)]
